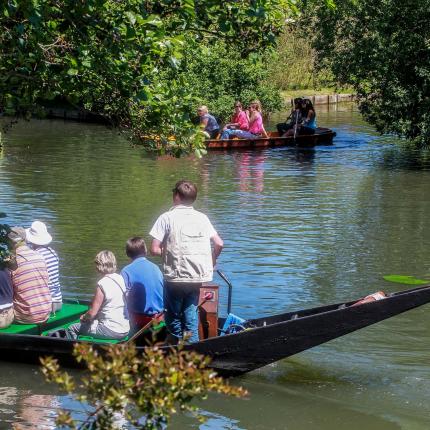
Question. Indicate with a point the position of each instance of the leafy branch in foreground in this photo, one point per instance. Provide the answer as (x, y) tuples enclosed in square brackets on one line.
[(144, 389)]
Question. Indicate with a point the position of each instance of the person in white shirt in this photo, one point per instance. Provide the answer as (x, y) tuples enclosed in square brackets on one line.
[(183, 237), (107, 317)]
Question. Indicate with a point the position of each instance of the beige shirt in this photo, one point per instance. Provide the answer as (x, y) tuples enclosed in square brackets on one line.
[(186, 238)]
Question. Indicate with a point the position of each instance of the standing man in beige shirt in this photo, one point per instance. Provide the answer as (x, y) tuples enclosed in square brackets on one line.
[(183, 237)]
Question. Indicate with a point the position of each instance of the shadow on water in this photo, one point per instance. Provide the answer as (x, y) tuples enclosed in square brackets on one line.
[(406, 157)]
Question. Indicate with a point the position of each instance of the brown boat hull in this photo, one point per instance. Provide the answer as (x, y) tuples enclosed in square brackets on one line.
[(323, 136)]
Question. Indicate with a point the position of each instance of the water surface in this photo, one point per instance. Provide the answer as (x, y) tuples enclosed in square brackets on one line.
[(301, 229)]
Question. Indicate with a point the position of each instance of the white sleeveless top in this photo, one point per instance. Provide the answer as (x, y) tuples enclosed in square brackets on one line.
[(113, 312)]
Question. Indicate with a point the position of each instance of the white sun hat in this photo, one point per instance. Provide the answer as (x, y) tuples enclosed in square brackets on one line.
[(38, 234)]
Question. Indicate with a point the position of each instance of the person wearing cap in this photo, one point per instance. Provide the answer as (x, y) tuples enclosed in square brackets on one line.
[(38, 238), (183, 237), (32, 302)]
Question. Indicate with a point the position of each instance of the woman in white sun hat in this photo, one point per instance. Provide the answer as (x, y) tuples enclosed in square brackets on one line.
[(38, 238)]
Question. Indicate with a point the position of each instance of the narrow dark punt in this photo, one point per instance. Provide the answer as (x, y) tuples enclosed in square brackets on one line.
[(280, 336), (322, 136), (270, 339)]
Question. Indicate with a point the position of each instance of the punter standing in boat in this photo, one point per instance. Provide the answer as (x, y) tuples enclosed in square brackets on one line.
[(32, 302), (183, 237), (144, 282), (38, 239), (208, 122)]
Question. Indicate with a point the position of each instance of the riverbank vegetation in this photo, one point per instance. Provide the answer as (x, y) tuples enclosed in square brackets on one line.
[(127, 61), (292, 64), (141, 391), (381, 49)]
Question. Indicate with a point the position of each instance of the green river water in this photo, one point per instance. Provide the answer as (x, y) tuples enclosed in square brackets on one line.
[(301, 229)]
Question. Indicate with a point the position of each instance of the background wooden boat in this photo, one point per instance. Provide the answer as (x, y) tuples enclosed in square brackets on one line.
[(265, 341), (322, 136)]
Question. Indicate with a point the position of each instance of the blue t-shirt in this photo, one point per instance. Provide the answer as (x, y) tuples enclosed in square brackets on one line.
[(144, 283), (212, 123)]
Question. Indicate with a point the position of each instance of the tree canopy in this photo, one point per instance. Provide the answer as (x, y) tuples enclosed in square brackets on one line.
[(382, 49), (124, 59)]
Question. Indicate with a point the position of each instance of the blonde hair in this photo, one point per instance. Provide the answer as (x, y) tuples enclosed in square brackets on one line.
[(257, 104), (203, 109), (105, 262)]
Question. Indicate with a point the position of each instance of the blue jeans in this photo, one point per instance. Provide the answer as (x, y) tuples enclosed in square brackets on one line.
[(241, 134), (181, 317)]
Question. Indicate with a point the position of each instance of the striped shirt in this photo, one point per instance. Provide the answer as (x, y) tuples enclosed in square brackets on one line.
[(52, 263), (32, 301)]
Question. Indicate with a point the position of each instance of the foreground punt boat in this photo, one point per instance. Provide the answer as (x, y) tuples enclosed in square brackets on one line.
[(264, 340), (322, 136)]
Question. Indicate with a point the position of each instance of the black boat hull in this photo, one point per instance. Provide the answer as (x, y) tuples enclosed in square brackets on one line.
[(272, 338)]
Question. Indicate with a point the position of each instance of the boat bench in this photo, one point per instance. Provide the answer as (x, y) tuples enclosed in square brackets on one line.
[(92, 339), (69, 313)]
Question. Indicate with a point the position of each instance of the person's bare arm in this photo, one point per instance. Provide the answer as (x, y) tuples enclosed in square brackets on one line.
[(264, 132), (156, 247), (309, 117), (95, 306), (218, 245)]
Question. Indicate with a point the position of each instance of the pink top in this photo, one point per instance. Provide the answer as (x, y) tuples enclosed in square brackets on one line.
[(256, 126), (241, 119)]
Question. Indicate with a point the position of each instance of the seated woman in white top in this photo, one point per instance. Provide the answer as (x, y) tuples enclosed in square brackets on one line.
[(107, 316)]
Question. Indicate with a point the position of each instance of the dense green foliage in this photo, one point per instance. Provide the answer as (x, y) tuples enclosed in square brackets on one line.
[(144, 390), (123, 59), (5, 245), (217, 76), (293, 63), (381, 48)]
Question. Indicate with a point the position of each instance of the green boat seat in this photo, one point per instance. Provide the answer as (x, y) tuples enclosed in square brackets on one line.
[(97, 340), (69, 313), (91, 339)]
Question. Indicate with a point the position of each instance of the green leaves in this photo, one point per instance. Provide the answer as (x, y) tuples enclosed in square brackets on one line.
[(145, 388), (72, 72), (124, 60), (6, 250), (381, 49)]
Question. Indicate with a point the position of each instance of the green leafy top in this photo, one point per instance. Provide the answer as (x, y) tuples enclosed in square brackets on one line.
[(123, 60)]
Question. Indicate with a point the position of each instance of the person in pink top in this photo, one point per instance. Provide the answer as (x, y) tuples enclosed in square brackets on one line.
[(255, 121), (239, 120)]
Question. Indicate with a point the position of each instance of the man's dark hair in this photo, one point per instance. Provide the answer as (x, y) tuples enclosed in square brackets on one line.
[(135, 247), (186, 190), (298, 101)]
